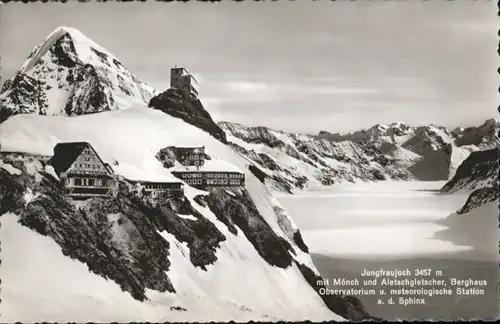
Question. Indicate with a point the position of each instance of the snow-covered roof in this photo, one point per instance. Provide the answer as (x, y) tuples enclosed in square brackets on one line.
[(188, 146), (26, 145), (218, 165), (214, 165), (21, 152), (133, 173)]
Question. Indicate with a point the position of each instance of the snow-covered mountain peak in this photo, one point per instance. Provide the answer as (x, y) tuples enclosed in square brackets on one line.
[(491, 122), (70, 74), (72, 42), (398, 124), (378, 127)]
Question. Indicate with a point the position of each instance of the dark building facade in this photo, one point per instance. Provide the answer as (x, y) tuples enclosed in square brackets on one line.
[(207, 179), (180, 78), (81, 170), (161, 192)]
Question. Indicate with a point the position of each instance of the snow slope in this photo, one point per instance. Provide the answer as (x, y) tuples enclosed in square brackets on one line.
[(69, 74), (241, 285)]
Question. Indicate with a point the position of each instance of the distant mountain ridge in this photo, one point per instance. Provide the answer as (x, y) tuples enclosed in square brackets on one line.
[(289, 161), (69, 74)]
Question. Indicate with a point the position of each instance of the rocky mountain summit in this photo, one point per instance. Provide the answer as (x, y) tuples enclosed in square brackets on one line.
[(69, 74), (396, 132)]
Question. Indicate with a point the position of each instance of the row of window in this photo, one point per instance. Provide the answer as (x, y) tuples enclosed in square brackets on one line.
[(224, 175), (212, 175), (217, 182), (192, 175), (193, 162), (162, 187), (89, 166), (90, 182), (194, 182), (224, 182)]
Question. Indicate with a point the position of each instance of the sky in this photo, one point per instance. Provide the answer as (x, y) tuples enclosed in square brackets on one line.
[(296, 66)]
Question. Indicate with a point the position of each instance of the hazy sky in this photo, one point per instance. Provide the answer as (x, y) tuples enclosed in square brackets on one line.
[(298, 66)]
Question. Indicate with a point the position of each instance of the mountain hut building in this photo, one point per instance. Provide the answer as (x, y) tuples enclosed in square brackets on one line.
[(81, 170)]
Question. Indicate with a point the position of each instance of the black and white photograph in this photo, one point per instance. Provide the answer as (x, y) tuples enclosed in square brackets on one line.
[(195, 161)]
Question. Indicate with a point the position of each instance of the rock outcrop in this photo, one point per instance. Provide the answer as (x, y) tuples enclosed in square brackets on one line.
[(178, 104)]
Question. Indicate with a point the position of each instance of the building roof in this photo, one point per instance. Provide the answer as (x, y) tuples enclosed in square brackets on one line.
[(66, 153), (190, 149), (185, 72), (214, 165), (135, 174), (155, 182), (21, 152)]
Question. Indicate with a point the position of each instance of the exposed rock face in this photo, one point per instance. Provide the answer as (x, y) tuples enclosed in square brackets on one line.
[(479, 170), (434, 165), (69, 74), (297, 238), (428, 139), (480, 173), (167, 157), (201, 235), (480, 197), (484, 136), (346, 306), (238, 210), (180, 105), (12, 189)]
